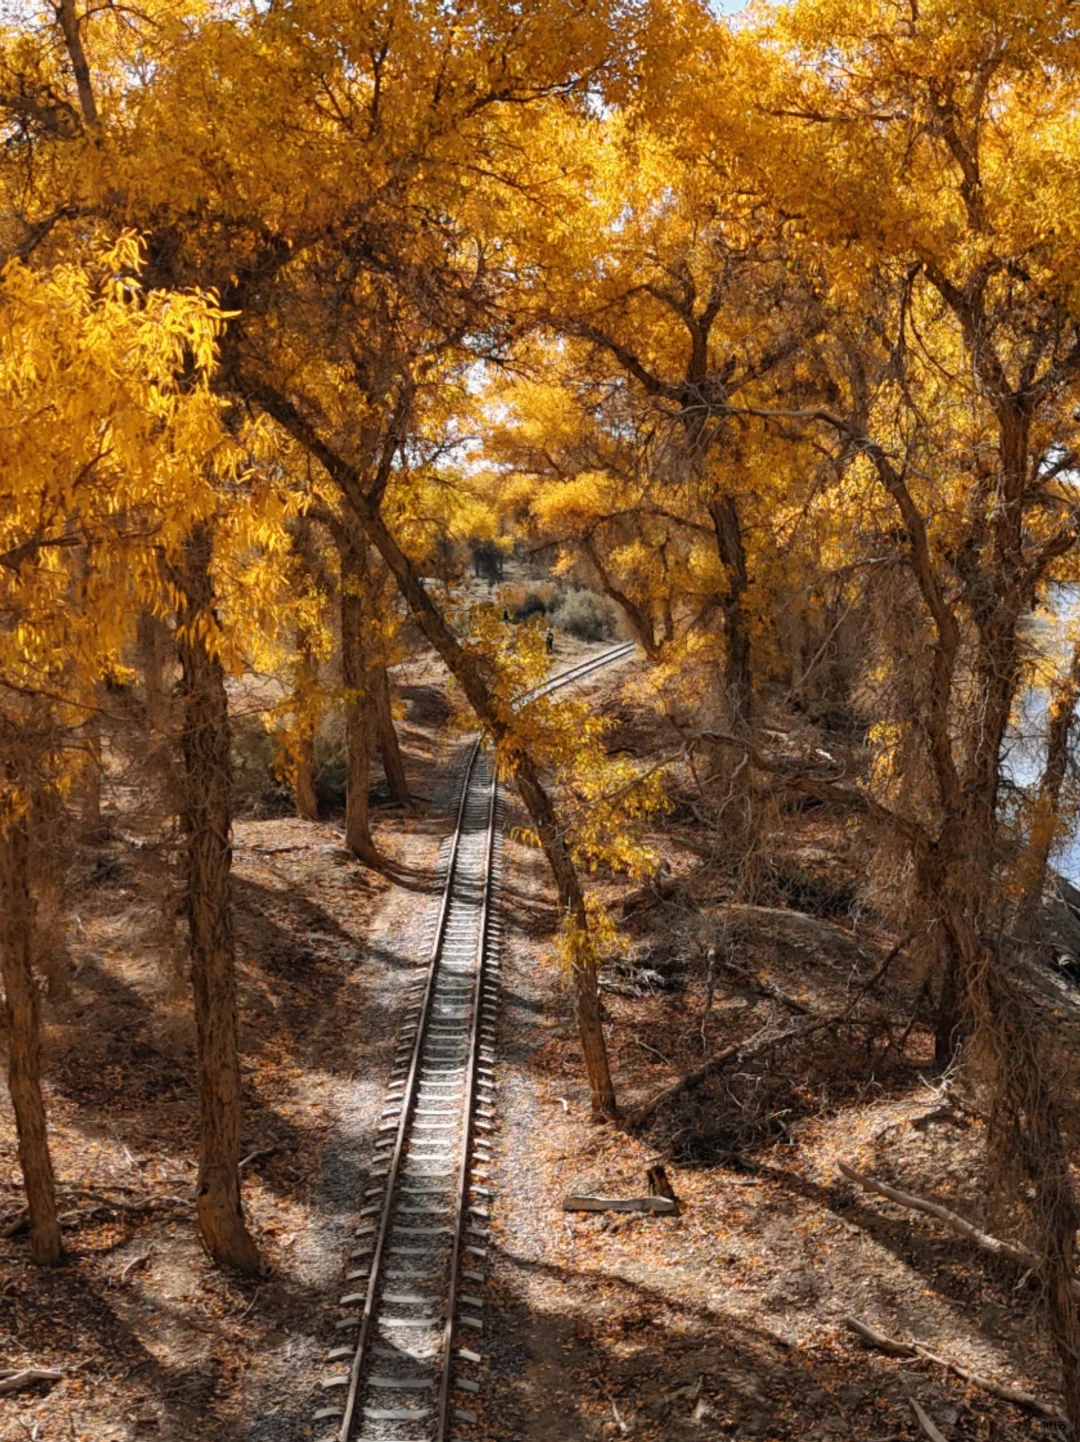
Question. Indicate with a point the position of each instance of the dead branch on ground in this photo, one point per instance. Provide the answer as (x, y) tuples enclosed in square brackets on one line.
[(896, 1348), (1019, 1256), (742, 1051), (21, 1219), (753, 1047), (16, 1381), (924, 1422)]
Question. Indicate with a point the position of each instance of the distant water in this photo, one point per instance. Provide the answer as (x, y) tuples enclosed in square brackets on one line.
[(1025, 747)]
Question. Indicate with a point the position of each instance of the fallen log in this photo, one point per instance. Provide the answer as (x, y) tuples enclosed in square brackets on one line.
[(18, 1380), (619, 1204), (895, 1348), (1008, 1251)]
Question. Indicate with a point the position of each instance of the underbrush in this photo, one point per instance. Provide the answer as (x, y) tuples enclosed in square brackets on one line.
[(259, 787), (734, 1117), (584, 614)]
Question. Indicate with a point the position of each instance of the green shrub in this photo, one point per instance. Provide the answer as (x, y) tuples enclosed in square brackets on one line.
[(488, 561), (331, 765), (585, 615), (257, 789), (532, 605)]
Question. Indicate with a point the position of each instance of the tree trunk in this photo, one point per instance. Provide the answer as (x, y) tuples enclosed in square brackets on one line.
[(307, 802), (947, 1023), (358, 707), (205, 742), (389, 747), (640, 623), (22, 1011), (736, 675), (1046, 820), (466, 671), (583, 962), (152, 648), (92, 830), (303, 746)]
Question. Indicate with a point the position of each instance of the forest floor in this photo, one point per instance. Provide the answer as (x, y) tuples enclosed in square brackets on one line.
[(723, 1322)]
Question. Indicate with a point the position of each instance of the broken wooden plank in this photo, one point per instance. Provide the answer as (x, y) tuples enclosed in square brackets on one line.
[(619, 1204)]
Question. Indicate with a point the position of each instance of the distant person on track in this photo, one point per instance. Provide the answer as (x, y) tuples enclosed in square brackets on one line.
[(549, 641)]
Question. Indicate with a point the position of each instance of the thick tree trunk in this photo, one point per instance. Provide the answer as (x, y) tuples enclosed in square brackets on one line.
[(205, 742), (1028, 1134), (22, 1012), (307, 802), (359, 719), (389, 746), (583, 963)]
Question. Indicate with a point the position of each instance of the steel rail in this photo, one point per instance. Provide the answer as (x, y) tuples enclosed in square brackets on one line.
[(408, 1100), (456, 891), (465, 1165), (576, 672)]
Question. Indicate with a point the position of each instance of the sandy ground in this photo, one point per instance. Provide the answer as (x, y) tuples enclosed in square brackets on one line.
[(727, 1320), (724, 1322)]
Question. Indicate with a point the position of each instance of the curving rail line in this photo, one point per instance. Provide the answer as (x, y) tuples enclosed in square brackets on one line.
[(416, 1273)]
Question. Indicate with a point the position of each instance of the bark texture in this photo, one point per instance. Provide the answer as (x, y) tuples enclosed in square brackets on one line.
[(389, 746), (359, 718), (205, 741), (307, 801), (22, 1013), (736, 677), (582, 967)]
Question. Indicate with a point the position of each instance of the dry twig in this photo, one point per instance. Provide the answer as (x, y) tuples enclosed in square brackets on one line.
[(895, 1348), (743, 1051), (1019, 1256), (924, 1422)]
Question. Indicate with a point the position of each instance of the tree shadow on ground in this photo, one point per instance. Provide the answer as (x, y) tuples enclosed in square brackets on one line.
[(671, 1368)]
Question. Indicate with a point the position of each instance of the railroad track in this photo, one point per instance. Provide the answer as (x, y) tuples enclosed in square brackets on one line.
[(405, 1369)]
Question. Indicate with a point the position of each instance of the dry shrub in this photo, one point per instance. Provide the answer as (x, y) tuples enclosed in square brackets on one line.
[(584, 614)]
